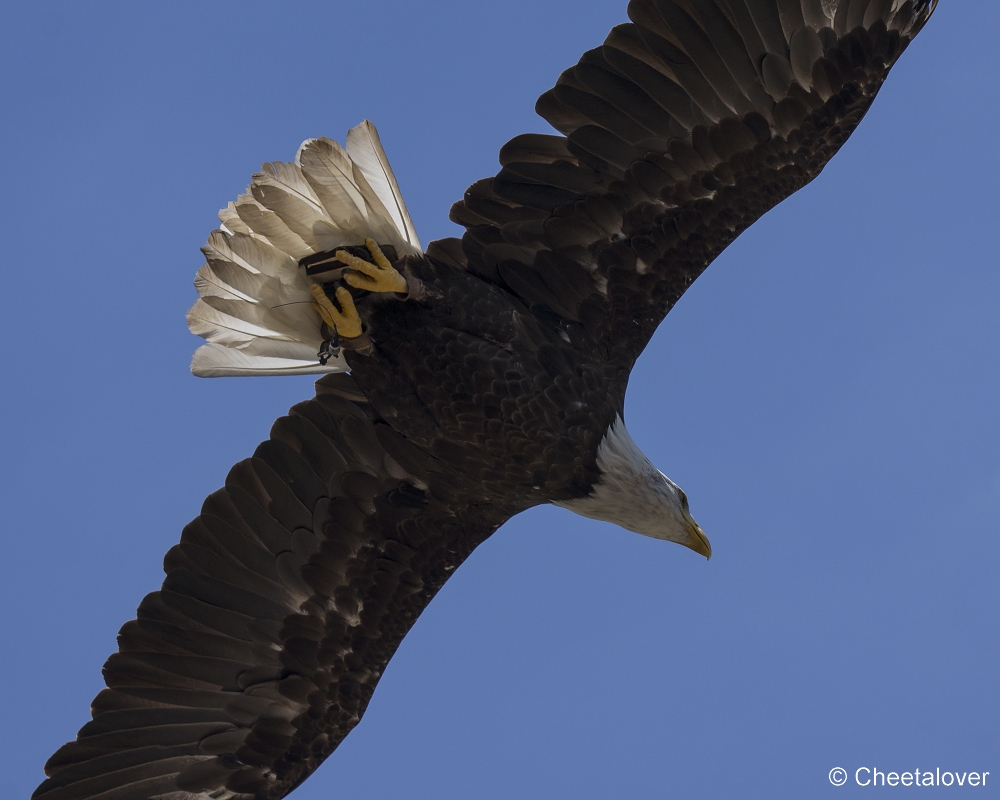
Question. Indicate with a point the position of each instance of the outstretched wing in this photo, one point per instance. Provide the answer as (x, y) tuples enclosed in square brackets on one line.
[(281, 607), (684, 128)]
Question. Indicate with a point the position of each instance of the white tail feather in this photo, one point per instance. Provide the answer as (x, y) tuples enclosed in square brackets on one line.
[(217, 361), (365, 149), (255, 308), (231, 222)]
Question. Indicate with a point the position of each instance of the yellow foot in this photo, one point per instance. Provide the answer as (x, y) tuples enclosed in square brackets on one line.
[(346, 323), (378, 277)]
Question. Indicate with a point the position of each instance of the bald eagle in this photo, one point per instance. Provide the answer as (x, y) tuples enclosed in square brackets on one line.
[(461, 384)]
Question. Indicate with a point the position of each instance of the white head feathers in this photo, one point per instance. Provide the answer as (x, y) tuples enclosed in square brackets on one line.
[(635, 495)]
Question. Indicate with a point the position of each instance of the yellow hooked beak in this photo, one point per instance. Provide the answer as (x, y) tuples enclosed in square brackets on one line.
[(698, 540)]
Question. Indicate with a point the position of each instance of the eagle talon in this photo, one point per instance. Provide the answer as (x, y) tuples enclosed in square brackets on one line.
[(378, 277), (346, 323)]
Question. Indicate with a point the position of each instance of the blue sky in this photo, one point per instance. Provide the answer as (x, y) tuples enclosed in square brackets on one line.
[(826, 394)]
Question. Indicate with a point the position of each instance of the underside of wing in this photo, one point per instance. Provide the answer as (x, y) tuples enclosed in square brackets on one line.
[(686, 126), (282, 605)]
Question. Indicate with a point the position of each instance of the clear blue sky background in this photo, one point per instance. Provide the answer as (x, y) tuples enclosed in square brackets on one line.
[(827, 394)]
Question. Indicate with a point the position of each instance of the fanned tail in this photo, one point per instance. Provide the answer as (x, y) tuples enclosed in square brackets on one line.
[(254, 307)]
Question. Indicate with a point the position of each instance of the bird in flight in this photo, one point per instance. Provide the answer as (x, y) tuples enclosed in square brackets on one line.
[(461, 384)]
